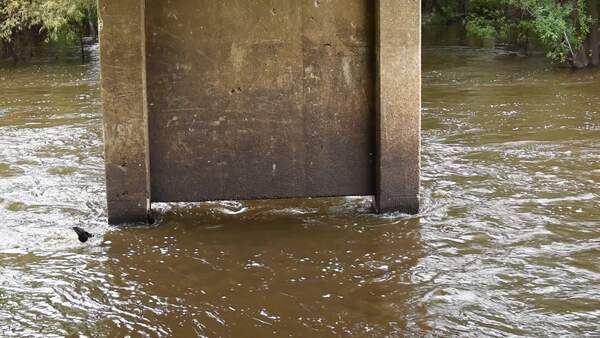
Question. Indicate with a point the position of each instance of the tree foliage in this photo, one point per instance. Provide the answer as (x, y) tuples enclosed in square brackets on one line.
[(52, 19), (561, 27)]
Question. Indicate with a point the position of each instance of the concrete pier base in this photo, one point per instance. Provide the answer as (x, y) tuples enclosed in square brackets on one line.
[(124, 104), (212, 100), (398, 105)]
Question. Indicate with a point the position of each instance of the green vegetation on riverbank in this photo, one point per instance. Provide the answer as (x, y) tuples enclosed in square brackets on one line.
[(567, 30), (23, 23)]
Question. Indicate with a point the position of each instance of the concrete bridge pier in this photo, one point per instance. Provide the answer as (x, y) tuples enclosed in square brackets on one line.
[(254, 99), (125, 113), (398, 106)]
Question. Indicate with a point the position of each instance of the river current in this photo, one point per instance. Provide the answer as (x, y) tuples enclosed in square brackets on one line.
[(507, 243)]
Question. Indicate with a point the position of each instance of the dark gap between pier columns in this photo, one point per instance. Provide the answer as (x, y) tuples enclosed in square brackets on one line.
[(398, 105), (123, 86)]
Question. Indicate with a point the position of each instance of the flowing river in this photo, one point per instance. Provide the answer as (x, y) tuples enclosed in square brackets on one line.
[(508, 241)]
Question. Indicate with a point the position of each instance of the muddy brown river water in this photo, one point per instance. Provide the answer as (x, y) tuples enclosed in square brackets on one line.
[(507, 244)]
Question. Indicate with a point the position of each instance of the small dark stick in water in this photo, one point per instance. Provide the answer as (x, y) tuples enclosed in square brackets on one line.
[(82, 234)]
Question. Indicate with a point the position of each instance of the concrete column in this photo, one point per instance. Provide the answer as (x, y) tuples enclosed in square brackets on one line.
[(122, 52), (398, 105)]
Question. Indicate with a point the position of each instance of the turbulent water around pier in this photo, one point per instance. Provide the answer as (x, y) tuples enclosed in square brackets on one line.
[(508, 241)]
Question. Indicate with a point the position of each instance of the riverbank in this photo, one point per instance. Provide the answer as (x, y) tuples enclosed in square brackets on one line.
[(52, 52)]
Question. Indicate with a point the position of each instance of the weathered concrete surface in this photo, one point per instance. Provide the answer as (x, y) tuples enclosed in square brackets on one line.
[(399, 105), (124, 106), (261, 99)]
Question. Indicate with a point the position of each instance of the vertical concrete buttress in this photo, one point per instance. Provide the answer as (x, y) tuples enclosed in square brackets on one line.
[(122, 50), (398, 105)]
